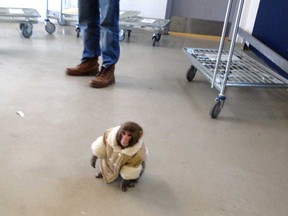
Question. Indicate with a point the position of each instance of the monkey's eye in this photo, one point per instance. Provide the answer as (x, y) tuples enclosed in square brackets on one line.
[(125, 133)]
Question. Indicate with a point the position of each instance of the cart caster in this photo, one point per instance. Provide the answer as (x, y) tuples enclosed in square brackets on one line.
[(122, 35), (21, 25), (50, 27), (27, 29), (129, 33), (155, 38), (191, 72), (62, 22), (78, 30), (216, 109)]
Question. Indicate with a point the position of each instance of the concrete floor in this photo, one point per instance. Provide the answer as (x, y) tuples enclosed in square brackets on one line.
[(235, 165)]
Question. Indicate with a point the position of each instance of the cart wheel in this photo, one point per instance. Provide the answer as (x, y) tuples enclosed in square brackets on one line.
[(191, 72), (21, 25), (50, 27), (216, 109), (155, 38), (158, 37), (62, 22), (129, 33), (78, 31), (153, 41), (27, 30), (121, 35)]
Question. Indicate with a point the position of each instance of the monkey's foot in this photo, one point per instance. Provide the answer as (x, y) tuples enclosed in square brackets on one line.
[(125, 184), (98, 175), (132, 183)]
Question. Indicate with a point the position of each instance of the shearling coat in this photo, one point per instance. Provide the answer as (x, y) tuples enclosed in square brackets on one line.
[(115, 161)]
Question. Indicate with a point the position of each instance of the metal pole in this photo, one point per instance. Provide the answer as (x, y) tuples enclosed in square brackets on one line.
[(232, 45), (222, 41), (47, 5), (61, 10)]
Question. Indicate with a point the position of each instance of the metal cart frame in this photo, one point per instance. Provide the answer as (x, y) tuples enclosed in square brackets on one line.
[(128, 20), (63, 17), (26, 17), (232, 68), (159, 26)]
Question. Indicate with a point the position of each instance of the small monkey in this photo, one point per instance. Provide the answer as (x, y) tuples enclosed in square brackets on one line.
[(122, 153)]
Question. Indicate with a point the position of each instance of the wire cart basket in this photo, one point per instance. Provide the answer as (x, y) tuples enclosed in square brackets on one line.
[(232, 68)]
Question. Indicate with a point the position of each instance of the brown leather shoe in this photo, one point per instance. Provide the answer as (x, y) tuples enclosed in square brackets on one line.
[(104, 78), (88, 67)]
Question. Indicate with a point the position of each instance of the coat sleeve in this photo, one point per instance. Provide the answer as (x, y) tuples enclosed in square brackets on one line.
[(132, 169), (98, 148), (130, 173)]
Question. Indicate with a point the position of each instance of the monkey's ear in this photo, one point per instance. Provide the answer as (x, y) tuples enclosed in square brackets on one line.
[(140, 133)]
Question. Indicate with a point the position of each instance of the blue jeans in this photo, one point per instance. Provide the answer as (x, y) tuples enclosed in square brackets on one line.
[(99, 20)]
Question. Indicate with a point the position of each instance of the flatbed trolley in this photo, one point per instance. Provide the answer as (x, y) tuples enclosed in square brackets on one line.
[(231, 68), (123, 16), (159, 26), (25, 16), (63, 15)]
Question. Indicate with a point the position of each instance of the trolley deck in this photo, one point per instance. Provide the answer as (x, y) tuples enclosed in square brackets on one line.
[(25, 16), (159, 26), (124, 14), (70, 14), (244, 70), (232, 67), (18, 14)]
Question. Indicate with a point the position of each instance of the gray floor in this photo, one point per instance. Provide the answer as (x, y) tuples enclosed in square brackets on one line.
[(235, 165)]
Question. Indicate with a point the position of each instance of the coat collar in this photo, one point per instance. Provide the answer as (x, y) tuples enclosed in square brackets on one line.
[(112, 141)]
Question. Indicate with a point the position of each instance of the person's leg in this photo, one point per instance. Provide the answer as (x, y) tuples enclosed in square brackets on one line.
[(89, 23), (110, 31), (110, 43)]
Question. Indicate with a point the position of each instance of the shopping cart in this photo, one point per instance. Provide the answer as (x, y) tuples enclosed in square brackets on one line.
[(26, 17), (132, 21), (232, 68)]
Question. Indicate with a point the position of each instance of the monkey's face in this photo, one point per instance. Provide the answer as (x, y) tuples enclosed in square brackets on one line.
[(126, 136)]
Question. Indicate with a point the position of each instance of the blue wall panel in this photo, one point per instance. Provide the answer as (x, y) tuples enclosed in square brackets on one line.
[(271, 28)]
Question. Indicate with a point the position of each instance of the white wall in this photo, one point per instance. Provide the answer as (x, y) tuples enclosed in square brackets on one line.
[(249, 15), (148, 8)]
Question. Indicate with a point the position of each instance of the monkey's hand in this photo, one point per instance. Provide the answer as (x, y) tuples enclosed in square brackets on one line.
[(93, 161)]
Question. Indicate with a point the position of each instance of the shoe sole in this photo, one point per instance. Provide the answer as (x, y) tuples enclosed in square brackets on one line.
[(96, 85), (89, 73)]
